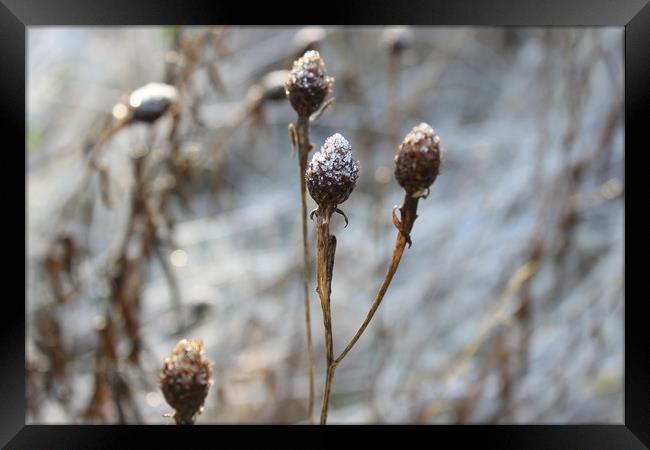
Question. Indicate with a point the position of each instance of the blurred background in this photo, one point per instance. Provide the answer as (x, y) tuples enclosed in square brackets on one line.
[(507, 309)]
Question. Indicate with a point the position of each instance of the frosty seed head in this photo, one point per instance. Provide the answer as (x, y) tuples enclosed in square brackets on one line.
[(185, 380), (150, 102), (308, 83), (332, 173), (418, 160)]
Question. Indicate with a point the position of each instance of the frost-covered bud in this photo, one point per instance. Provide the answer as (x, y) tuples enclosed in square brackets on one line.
[(150, 102), (308, 83), (185, 380), (418, 160), (332, 173)]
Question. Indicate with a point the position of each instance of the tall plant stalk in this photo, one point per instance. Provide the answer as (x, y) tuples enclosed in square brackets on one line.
[(331, 177), (306, 88), (326, 248), (300, 138)]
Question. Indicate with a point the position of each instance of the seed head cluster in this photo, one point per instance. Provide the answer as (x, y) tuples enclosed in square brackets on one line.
[(308, 83), (332, 173), (185, 379), (418, 160), (151, 101)]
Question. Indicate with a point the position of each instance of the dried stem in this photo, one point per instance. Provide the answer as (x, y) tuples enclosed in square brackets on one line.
[(326, 248), (325, 260), (408, 215), (184, 420), (300, 138), (331, 367)]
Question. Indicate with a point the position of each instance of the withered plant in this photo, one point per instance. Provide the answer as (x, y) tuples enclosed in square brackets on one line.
[(307, 86), (331, 177), (148, 230)]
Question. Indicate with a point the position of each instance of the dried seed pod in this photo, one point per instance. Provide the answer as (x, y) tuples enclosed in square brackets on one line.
[(150, 102), (332, 173), (418, 160), (308, 83), (185, 380)]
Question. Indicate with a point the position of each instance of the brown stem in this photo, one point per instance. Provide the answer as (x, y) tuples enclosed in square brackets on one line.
[(331, 367), (183, 420), (408, 215), (300, 137), (326, 248)]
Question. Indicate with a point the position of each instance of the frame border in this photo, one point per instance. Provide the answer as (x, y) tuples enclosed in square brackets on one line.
[(17, 15)]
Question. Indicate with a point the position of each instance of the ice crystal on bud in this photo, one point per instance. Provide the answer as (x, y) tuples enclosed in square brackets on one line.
[(308, 83), (332, 173)]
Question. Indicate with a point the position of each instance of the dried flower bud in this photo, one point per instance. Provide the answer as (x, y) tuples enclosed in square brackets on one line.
[(185, 380), (418, 160), (308, 83), (151, 101), (332, 173)]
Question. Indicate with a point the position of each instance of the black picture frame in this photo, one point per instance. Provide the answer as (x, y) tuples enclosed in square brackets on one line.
[(17, 15)]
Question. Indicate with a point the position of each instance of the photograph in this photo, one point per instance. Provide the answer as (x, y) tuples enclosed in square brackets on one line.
[(324, 225)]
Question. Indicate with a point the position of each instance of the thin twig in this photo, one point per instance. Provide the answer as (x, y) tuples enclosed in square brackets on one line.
[(299, 134), (408, 212), (325, 248), (317, 114)]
